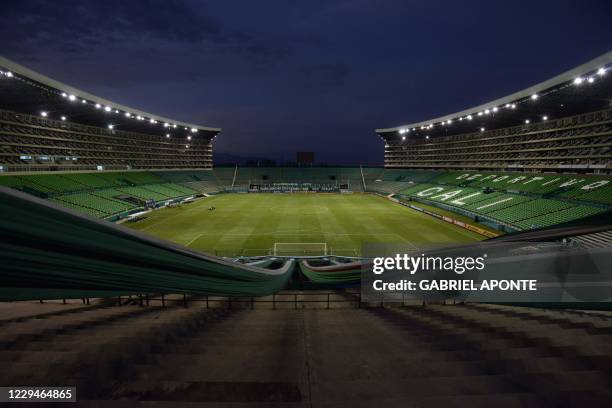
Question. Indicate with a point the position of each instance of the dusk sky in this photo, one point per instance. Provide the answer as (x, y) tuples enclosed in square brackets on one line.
[(280, 76)]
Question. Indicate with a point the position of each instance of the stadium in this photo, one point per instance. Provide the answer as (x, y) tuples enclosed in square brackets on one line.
[(136, 271)]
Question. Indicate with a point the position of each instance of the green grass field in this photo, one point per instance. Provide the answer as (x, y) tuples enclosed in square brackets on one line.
[(250, 224)]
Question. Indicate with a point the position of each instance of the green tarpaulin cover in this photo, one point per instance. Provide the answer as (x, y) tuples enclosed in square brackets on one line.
[(49, 252)]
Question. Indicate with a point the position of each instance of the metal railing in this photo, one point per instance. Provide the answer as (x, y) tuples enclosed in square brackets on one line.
[(294, 300)]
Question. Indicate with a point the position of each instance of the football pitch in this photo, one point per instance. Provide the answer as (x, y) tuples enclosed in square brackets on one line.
[(250, 224)]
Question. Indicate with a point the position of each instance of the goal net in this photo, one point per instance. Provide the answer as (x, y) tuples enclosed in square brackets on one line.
[(299, 249)]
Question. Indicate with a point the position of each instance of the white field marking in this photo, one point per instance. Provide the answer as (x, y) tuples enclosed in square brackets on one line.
[(412, 246), (281, 232), (220, 200), (171, 217), (244, 234), (260, 251), (454, 227), (191, 241)]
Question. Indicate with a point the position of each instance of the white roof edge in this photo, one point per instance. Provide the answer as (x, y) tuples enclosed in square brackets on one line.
[(20, 70), (589, 66)]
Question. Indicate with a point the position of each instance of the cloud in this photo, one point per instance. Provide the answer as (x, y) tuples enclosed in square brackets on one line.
[(331, 74), (75, 28), (36, 21)]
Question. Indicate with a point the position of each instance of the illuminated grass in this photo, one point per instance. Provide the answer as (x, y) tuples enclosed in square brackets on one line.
[(250, 224)]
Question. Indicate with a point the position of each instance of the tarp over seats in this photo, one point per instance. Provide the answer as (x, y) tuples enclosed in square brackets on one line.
[(50, 252)]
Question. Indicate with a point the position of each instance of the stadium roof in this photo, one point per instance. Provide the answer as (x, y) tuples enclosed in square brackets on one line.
[(26, 91), (585, 88)]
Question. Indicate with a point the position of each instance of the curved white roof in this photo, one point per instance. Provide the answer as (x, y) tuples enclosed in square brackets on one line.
[(22, 71), (591, 66)]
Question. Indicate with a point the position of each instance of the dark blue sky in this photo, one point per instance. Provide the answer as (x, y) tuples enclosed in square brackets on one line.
[(280, 76)]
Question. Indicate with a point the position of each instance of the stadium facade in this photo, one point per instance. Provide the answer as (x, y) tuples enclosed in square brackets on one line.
[(537, 158), (50, 126), (559, 125), (171, 322)]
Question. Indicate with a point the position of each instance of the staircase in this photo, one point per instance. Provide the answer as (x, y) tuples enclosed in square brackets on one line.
[(455, 355)]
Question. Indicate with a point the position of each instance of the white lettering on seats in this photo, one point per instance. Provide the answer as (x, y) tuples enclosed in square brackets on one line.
[(551, 181), (429, 191), (500, 178), (460, 201), (516, 179), (571, 182), (446, 196), (495, 203), (534, 179), (595, 185)]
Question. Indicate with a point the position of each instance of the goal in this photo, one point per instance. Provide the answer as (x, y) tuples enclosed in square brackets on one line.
[(299, 249)]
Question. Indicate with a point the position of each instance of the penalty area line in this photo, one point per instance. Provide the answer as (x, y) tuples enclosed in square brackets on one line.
[(193, 240)]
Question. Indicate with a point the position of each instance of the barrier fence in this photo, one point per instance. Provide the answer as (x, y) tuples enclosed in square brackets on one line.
[(295, 300), (284, 300)]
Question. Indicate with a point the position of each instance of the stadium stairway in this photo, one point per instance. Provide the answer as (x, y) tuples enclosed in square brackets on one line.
[(596, 240), (263, 361), (389, 187), (92, 348), (453, 355)]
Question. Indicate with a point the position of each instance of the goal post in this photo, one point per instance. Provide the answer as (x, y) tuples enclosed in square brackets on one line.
[(299, 249)]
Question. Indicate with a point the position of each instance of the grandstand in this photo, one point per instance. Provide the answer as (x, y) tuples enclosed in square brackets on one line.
[(47, 125), (533, 159), (137, 272), (559, 125), (509, 201), (516, 200)]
